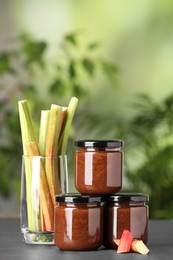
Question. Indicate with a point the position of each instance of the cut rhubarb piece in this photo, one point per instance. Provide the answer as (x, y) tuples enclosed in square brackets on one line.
[(139, 247), (125, 242)]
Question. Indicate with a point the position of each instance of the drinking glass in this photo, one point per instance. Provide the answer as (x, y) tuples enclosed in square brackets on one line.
[(42, 178)]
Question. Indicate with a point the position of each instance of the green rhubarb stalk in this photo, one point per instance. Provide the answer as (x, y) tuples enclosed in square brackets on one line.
[(53, 130), (31, 134), (43, 131), (63, 117), (42, 146), (28, 175), (28, 134), (66, 126), (52, 137)]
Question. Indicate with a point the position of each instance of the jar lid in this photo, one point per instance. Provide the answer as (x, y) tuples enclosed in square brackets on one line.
[(99, 143), (78, 198), (127, 197)]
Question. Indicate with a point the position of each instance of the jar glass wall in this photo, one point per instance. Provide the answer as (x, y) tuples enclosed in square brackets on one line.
[(125, 211), (78, 222), (98, 166)]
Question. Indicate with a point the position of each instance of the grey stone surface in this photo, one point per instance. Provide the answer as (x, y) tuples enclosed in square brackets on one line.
[(13, 248)]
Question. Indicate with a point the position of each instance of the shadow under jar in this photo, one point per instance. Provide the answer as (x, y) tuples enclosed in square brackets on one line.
[(98, 166), (125, 211), (78, 222)]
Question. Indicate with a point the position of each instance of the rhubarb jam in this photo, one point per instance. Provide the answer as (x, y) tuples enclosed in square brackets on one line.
[(78, 222), (125, 211), (98, 166)]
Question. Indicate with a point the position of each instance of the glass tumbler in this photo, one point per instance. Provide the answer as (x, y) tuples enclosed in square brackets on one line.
[(42, 178)]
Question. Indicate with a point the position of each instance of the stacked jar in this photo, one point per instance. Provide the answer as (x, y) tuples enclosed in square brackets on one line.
[(98, 177)]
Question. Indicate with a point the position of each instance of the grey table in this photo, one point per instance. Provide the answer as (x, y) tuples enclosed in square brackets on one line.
[(13, 248)]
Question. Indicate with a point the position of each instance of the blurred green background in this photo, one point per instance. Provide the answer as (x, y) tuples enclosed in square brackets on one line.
[(117, 58)]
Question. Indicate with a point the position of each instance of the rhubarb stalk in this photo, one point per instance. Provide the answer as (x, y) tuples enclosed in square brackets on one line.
[(28, 134), (125, 242), (139, 247), (43, 131), (66, 126), (51, 163)]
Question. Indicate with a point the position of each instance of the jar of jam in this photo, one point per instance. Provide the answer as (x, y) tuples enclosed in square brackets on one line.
[(98, 166), (78, 222), (125, 211)]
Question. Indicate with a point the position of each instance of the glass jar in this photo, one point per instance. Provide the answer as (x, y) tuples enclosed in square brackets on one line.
[(98, 166), (78, 222), (125, 211)]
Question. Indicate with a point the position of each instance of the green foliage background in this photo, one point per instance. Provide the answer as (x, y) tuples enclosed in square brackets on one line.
[(74, 71)]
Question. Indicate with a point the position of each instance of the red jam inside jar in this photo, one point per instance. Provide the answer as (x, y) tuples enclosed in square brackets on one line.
[(125, 211), (98, 166), (78, 222)]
